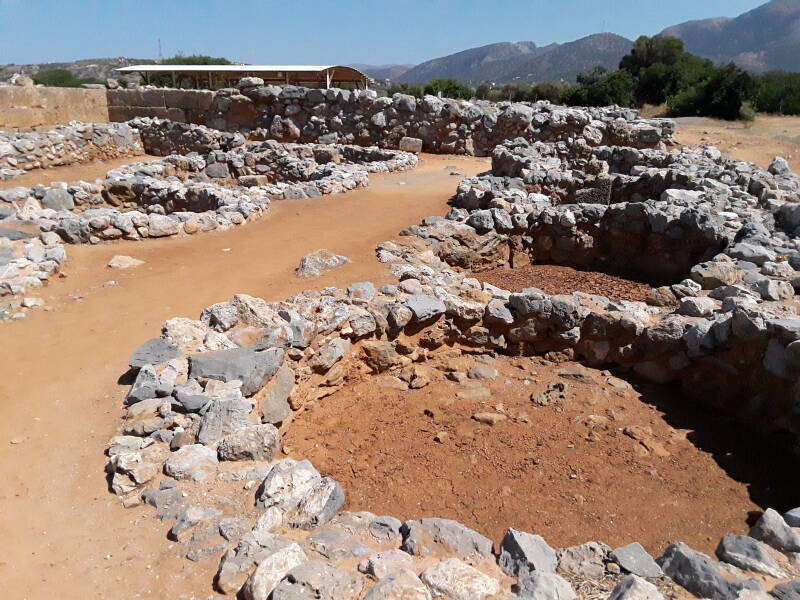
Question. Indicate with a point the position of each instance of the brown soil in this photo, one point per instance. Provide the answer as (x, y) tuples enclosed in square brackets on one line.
[(63, 533), (88, 172), (554, 279), (603, 463), (758, 142)]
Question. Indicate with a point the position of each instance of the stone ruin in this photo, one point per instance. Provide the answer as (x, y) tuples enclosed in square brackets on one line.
[(719, 237), (210, 398), (208, 180), (439, 125), (72, 144)]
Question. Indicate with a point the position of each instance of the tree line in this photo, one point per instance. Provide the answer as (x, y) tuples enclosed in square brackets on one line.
[(657, 71)]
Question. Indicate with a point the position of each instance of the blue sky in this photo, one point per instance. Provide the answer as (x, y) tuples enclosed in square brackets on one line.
[(322, 31)]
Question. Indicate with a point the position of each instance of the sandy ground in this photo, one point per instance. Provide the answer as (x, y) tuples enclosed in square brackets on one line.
[(87, 172), (579, 455), (63, 533), (759, 142)]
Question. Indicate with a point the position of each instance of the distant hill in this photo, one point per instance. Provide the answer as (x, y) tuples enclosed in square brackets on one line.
[(98, 68), (382, 71), (763, 39), (525, 61)]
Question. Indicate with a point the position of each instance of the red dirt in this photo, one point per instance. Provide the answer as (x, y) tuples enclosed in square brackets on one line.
[(570, 471), (554, 279)]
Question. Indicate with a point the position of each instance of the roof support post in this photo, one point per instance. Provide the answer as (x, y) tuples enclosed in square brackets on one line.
[(328, 79)]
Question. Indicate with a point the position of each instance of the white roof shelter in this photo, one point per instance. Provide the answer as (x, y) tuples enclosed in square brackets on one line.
[(321, 75)]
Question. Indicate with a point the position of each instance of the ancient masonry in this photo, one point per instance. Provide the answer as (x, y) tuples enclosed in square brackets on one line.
[(210, 397)]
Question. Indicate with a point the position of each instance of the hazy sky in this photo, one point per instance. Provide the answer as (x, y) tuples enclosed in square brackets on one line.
[(322, 31)]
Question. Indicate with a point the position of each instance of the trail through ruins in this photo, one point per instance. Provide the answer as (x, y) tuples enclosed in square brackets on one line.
[(62, 404)]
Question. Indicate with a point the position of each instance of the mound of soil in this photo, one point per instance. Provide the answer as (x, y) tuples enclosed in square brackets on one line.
[(571, 453), (554, 279)]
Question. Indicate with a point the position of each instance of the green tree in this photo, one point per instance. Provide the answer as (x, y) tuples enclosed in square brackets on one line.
[(662, 68), (601, 88), (449, 88), (61, 78), (723, 94), (195, 59)]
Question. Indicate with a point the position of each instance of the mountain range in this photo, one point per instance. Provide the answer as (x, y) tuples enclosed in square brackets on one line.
[(765, 38)]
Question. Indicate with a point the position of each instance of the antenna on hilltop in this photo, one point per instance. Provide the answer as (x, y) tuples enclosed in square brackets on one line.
[(160, 57)]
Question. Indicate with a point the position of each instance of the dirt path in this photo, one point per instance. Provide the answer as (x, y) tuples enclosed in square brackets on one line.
[(63, 534), (87, 172), (759, 142)]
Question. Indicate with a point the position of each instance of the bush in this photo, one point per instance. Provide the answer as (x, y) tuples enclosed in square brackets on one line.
[(601, 88), (411, 89), (61, 78), (779, 93), (722, 94), (449, 88), (747, 112)]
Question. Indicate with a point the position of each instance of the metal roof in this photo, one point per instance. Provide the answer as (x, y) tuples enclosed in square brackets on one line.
[(236, 68)]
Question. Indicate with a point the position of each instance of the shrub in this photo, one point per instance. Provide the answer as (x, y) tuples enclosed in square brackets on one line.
[(61, 78), (449, 88)]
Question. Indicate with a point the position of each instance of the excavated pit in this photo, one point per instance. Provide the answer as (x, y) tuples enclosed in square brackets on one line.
[(575, 454), (557, 279)]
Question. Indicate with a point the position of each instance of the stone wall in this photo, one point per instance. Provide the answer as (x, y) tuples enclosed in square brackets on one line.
[(71, 144), (25, 107), (295, 114)]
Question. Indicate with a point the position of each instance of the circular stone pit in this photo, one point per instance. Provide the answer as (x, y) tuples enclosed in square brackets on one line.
[(600, 460)]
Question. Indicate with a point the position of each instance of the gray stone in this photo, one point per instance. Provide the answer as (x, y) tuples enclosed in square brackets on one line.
[(401, 585), (698, 574), (58, 199), (385, 528), (787, 591), (410, 144), (522, 552), (287, 484), (271, 570), (792, 517), (161, 225), (316, 580), (587, 560), (252, 368), (145, 386), (275, 403), (364, 290), (153, 352), (195, 462), (336, 545), (319, 261), (453, 579), (319, 505), (329, 355), (220, 316), (746, 553), (537, 585), (425, 307), (384, 564), (223, 417), (633, 558), (218, 170), (635, 588), (773, 531), (256, 442), (189, 518), (422, 537)]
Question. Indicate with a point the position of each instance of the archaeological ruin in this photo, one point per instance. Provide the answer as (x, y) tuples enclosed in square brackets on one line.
[(491, 317)]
